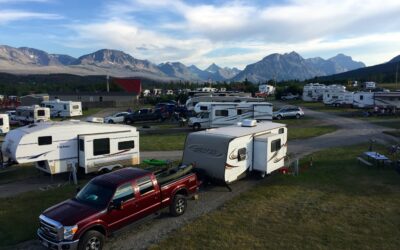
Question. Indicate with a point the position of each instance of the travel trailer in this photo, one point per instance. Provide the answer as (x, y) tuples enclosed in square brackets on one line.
[(63, 108), (4, 123), (363, 99), (226, 154), (313, 92), (191, 102), (58, 147), (265, 89), (219, 114), (32, 114), (387, 99), (368, 85), (336, 95)]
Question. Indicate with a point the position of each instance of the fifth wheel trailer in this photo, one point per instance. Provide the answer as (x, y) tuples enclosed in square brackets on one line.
[(60, 108), (58, 147), (226, 154)]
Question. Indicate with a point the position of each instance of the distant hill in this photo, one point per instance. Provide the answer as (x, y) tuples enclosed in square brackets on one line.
[(385, 72), (291, 66)]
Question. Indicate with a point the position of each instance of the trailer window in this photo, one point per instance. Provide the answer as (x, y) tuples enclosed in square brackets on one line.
[(203, 108), (75, 107), (281, 131), (275, 145), (145, 185), (41, 112), (242, 154), (126, 145), (45, 140), (101, 146), (361, 97), (65, 106), (124, 193), (221, 112), (239, 111), (1, 122), (81, 145)]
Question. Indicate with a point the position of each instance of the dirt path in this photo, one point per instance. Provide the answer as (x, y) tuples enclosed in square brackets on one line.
[(351, 132)]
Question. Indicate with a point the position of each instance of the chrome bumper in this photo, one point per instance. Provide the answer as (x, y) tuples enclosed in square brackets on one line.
[(62, 245)]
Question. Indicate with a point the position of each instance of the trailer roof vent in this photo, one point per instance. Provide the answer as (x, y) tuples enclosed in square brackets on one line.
[(249, 123)]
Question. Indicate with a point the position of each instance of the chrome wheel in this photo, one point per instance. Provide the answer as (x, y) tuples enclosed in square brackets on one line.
[(93, 244), (180, 206)]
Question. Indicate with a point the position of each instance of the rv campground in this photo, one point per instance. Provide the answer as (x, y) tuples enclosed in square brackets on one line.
[(335, 203)]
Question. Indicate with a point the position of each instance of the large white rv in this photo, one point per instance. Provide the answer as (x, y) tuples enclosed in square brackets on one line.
[(226, 154), (58, 147), (219, 114), (191, 102), (4, 123), (32, 114), (387, 99), (363, 99), (63, 108), (313, 92), (336, 95)]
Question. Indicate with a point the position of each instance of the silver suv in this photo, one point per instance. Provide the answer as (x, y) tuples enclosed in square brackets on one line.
[(288, 111)]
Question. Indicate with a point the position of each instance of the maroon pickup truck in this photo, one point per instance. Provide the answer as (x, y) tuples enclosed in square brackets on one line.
[(109, 202)]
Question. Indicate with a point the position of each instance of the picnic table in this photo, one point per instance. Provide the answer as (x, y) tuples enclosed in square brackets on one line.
[(377, 158)]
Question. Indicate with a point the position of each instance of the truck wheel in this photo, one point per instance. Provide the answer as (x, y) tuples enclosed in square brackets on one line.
[(92, 240), (128, 121), (111, 121), (279, 117), (178, 206), (196, 126), (297, 116)]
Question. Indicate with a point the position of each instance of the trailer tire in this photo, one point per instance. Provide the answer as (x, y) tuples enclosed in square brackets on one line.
[(178, 205), (196, 126), (91, 240)]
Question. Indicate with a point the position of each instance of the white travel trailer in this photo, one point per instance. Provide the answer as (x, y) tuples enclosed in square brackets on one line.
[(58, 147), (387, 99), (63, 108), (313, 92), (363, 99), (226, 154), (219, 114), (265, 88), (336, 95), (4, 123), (32, 114), (191, 102)]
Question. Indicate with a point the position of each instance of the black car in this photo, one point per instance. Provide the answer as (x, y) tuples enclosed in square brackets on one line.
[(145, 115)]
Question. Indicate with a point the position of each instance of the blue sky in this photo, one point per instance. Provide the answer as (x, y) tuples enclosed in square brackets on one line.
[(229, 33)]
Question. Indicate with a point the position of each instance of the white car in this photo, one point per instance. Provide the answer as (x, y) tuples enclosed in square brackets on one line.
[(116, 118)]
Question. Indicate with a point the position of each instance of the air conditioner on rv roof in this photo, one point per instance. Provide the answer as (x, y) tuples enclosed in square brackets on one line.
[(249, 123)]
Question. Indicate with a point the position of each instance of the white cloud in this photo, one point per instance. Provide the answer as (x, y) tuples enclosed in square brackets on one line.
[(7, 16)]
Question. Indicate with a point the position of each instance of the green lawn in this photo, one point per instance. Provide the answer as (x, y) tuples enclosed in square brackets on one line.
[(308, 132), (162, 142), (335, 204), (17, 172)]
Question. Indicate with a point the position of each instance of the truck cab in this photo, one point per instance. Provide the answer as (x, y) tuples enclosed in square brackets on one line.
[(110, 202)]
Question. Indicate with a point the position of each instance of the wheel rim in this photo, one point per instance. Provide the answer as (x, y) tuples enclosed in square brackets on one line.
[(180, 206), (93, 244)]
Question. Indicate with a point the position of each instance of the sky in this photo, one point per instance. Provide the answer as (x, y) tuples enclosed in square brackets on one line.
[(230, 33)]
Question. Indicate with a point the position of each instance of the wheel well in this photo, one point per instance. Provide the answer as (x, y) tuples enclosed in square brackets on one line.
[(182, 191), (97, 228)]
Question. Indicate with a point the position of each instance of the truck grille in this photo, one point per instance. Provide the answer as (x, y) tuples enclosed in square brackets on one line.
[(50, 231)]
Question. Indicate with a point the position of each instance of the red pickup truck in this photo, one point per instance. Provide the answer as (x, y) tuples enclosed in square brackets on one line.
[(109, 202)]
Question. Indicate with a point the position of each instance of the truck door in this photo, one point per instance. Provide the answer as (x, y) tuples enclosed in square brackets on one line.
[(148, 197), (123, 208)]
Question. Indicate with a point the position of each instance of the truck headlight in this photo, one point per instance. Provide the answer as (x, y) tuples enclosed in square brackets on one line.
[(69, 232)]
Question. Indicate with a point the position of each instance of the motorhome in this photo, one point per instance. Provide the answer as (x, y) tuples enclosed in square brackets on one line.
[(226, 154), (363, 99), (191, 102), (219, 114), (58, 147), (313, 92), (336, 95), (32, 114), (4, 123), (60, 108)]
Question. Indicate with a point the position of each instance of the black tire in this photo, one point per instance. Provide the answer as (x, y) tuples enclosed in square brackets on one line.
[(196, 126), (93, 240), (178, 206), (297, 116), (128, 121), (279, 117), (111, 121)]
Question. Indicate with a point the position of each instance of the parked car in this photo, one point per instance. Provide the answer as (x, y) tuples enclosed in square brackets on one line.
[(290, 96), (288, 111), (109, 202), (145, 115), (116, 118), (11, 115)]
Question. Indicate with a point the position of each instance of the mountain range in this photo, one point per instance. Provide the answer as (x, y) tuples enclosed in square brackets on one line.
[(286, 66)]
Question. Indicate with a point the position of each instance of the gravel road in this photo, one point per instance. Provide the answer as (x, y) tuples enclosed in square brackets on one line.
[(352, 131)]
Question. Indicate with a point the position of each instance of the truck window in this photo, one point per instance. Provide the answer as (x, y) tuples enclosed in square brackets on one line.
[(124, 193), (221, 112), (145, 185), (275, 145), (101, 146), (44, 140), (81, 145), (126, 145), (41, 112)]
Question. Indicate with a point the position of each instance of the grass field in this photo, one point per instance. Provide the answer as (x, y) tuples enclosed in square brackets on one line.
[(15, 173), (308, 132), (162, 142), (336, 204)]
